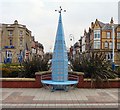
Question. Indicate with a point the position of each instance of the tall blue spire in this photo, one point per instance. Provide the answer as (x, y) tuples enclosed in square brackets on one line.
[(60, 58), (59, 61)]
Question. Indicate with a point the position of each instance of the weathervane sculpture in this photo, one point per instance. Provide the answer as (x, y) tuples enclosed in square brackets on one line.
[(59, 61), (59, 11)]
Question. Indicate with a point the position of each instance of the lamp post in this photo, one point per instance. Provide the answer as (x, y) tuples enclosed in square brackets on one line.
[(72, 39), (50, 52), (113, 65)]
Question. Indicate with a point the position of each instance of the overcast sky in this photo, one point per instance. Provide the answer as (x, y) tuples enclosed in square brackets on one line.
[(39, 16)]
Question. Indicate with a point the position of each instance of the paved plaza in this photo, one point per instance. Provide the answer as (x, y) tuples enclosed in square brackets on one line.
[(43, 98)]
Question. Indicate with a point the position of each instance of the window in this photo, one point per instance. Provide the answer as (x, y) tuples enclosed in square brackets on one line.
[(109, 56), (21, 33), (106, 44), (21, 42), (9, 54), (83, 48), (118, 35), (10, 32), (20, 52), (33, 50), (10, 41), (96, 44), (110, 45), (118, 45), (108, 34), (96, 33)]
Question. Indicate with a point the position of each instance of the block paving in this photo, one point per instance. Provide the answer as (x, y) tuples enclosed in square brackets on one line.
[(43, 98)]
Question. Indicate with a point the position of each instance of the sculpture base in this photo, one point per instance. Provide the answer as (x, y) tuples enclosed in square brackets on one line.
[(54, 85)]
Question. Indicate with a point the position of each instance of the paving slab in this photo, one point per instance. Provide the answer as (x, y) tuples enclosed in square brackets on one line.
[(43, 98)]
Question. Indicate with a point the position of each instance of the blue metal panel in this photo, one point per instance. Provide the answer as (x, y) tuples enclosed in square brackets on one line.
[(60, 58)]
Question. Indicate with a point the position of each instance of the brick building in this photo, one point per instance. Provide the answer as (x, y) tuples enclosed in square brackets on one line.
[(16, 43), (99, 39)]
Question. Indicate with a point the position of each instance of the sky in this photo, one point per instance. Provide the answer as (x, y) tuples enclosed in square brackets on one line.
[(40, 17)]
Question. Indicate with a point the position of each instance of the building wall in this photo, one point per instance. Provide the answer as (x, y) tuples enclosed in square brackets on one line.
[(117, 56), (103, 38), (83, 45), (87, 42), (17, 33), (0, 43)]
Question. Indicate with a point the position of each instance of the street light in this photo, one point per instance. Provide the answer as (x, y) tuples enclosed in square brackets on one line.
[(113, 65), (72, 39)]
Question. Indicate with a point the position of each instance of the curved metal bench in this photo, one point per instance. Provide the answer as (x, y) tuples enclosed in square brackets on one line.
[(61, 85), (53, 85)]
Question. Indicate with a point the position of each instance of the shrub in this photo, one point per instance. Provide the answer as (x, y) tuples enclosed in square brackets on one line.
[(77, 65), (5, 72), (14, 72), (94, 66), (9, 70), (118, 71), (37, 64)]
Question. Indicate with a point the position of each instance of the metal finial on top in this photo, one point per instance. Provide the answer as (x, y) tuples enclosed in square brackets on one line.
[(59, 11)]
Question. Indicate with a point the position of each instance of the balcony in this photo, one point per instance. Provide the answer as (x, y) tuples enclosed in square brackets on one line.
[(9, 47)]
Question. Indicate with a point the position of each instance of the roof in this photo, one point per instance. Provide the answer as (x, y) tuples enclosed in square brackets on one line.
[(109, 27), (101, 23), (76, 45), (106, 26)]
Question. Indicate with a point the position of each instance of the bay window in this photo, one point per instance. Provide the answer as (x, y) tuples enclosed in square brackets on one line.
[(96, 44)]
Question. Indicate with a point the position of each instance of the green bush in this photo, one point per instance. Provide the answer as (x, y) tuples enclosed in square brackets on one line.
[(77, 65), (9, 70), (27, 68), (5, 72), (94, 66), (37, 64), (118, 71)]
